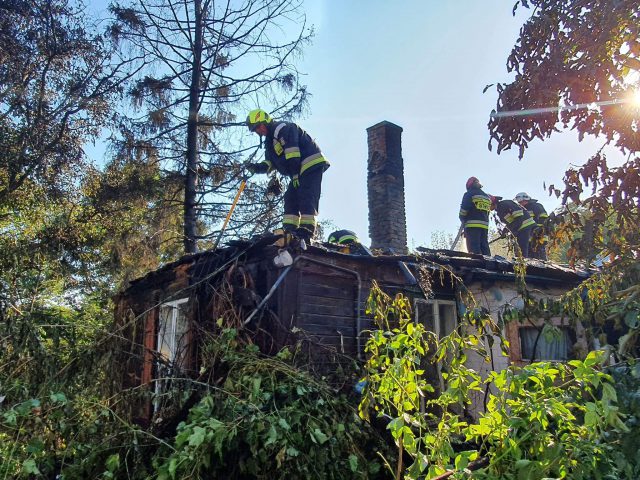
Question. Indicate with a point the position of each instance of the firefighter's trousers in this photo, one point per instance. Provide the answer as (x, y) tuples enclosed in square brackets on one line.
[(477, 240), (301, 200)]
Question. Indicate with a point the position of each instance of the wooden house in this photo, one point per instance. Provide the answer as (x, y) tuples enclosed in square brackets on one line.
[(314, 299)]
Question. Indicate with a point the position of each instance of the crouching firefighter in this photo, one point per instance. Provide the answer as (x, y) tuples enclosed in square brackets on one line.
[(517, 220), (349, 243), (292, 152)]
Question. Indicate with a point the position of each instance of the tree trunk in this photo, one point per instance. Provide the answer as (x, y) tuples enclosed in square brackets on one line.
[(191, 174)]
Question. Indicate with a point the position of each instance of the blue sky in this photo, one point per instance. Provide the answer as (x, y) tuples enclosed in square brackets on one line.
[(421, 65)]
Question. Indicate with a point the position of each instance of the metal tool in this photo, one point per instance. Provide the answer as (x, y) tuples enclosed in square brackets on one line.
[(457, 239)]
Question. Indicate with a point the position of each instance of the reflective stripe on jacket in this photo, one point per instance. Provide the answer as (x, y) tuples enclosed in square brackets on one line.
[(474, 209), (537, 211), (290, 150), (514, 216)]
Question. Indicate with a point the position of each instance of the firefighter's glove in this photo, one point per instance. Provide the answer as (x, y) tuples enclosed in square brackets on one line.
[(295, 181), (254, 168), (274, 187)]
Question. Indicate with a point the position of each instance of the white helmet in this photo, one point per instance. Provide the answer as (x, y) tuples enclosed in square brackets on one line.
[(522, 197)]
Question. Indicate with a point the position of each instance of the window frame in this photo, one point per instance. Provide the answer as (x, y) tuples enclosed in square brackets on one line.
[(173, 343), (174, 324), (539, 329), (435, 305), (512, 332)]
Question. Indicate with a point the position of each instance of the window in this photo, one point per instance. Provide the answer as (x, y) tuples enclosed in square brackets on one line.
[(550, 339), (545, 343), (438, 316), (173, 327)]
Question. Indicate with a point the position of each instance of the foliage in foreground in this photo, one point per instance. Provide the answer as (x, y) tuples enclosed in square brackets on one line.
[(543, 420), (269, 420), (260, 418)]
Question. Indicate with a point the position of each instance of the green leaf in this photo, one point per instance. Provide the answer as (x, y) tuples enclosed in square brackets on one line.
[(593, 358), (320, 436), (58, 398), (272, 436), (25, 408), (256, 386), (609, 393), (173, 466), (197, 437), (461, 461), (395, 426), (353, 463), (29, 467), (113, 462), (283, 423), (35, 446), (631, 318), (10, 418)]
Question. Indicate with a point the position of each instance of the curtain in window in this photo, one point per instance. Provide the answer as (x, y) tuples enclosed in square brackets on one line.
[(553, 343)]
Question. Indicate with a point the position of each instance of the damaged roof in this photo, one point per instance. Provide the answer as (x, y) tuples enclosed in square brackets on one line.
[(468, 266), (497, 267)]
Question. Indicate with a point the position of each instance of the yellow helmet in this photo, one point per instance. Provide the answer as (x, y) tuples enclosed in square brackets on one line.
[(257, 117)]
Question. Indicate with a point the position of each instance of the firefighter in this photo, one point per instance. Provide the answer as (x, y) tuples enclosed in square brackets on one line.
[(343, 237), (517, 220), (474, 215), (538, 244), (349, 242), (292, 152)]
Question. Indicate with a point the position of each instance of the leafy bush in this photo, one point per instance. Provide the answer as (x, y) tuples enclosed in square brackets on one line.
[(269, 420), (544, 420), (256, 417)]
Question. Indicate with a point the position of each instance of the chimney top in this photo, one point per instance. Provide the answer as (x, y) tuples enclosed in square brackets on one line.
[(384, 123)]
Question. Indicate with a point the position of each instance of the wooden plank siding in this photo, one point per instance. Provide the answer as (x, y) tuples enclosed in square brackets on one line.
[(326, 306)]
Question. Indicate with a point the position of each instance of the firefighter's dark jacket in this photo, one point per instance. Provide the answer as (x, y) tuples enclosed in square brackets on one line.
[(537, 211), (290, 150), (474, 209), (514, 216)]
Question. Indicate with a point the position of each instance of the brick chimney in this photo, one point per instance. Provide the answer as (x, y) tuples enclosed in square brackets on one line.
[(385, 186)]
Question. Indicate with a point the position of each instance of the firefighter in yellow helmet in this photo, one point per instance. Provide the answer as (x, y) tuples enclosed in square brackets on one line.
[(349, 243), (292, 152), (343, 237)]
